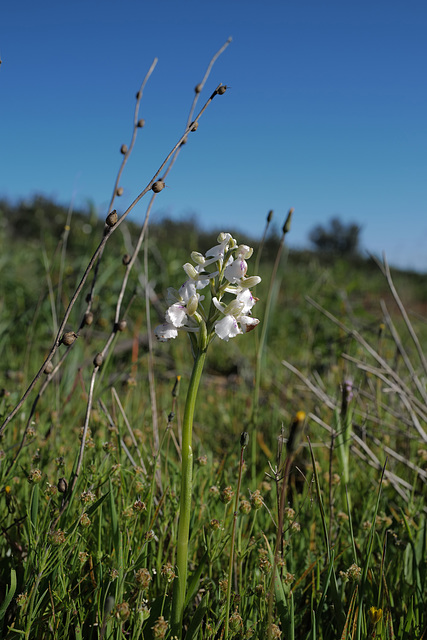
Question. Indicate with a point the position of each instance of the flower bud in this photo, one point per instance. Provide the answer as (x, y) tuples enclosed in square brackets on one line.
[(190, 271), (198, 258), (244, 439), (287, 225), (250, 282), (244, 251), (192, 305), (234, 308), (295, 433)]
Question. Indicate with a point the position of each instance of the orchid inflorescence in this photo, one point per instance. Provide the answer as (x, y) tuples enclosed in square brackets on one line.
[(186, 310)]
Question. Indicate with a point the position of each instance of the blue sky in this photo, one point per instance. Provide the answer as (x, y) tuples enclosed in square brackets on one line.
[(326, 111)]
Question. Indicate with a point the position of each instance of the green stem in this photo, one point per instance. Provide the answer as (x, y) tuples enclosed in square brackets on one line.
[(259, 356), (185, 499), (233, 536)]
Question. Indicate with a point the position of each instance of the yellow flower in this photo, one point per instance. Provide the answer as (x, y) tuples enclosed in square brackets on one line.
[(375, 615)]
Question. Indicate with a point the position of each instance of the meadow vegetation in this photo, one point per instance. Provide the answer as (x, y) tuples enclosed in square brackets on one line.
[(310, 441)]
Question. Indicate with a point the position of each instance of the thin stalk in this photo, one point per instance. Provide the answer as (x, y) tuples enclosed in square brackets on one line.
[(261, 344), (185, 499), (244, 438)]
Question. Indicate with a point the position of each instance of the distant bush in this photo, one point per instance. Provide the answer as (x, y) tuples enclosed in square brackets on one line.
[(337, 238)]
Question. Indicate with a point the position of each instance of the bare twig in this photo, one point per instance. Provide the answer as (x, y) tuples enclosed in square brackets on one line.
[(91, 264)]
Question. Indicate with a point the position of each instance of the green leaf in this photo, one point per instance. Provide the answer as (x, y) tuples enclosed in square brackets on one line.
[(9, 594), (197, 619)]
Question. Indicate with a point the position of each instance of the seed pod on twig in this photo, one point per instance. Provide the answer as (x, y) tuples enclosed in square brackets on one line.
[(119, 191), (126, 259), (68, 338), (48, 368), (62, 485), (140, 123), (88, 318), (124, 149), (198, 87), (121, 325), (158, 186), (98, 360), (193, 127), (111, 219), (222, 89)]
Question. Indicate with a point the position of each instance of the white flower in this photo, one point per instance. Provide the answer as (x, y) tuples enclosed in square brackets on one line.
[(247, 299), (235, 314), (185, 310), (199, 279), (227, 328), (176, 315), (236, 270), (165, 332), (217, 253), (184, 303)]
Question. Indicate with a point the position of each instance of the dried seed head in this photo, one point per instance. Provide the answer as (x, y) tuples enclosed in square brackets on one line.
[(139, 95), (111, 219), (48, 368), (119, 191), (62, 485), (296, 432), (140, 123), (121, 325), (126, 259), (184, 141), (198, 87), (244, 439), (194, 127), (124, 149), (287, 224), (158, 186), (88, 318), (68, 338), (270, 216), (98, 360), (222, 89)]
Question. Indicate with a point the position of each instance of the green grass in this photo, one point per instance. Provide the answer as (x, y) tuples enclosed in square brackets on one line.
[(103, 568)]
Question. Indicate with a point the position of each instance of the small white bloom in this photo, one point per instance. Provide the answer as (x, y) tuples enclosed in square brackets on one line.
[(176, 315), (217, 253), (235, 314), (227, 328), (165, 332), (236, 270), (246, 298), (248, 323)]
